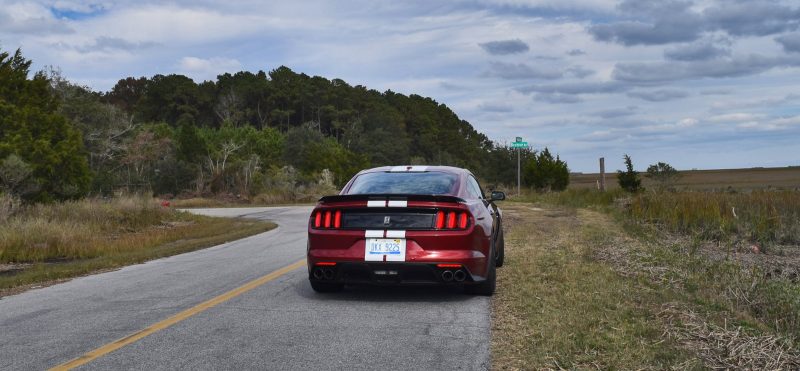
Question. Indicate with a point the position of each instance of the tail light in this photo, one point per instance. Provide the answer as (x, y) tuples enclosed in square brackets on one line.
[(452, 220), (327, 219)]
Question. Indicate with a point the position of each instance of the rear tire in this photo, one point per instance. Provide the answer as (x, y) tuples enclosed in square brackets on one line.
[(501, 247), (326, 287), (485, 288)]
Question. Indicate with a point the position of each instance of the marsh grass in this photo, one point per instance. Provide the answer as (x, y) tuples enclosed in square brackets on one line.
[(766, 217), (761, 216)]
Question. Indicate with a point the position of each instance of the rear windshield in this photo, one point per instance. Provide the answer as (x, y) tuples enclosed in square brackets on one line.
[(427, 183)]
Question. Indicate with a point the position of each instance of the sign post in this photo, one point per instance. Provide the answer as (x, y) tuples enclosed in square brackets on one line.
[(519, 145)]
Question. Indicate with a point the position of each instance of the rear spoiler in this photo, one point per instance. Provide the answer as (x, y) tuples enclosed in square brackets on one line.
[(390, 197)]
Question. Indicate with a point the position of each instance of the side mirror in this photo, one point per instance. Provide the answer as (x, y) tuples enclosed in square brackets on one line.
[(498, 196)]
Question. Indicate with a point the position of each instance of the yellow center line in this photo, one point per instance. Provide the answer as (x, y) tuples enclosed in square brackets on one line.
[(132, 338)]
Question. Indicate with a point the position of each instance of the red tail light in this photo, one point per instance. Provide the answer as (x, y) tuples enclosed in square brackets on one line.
[(328, 219), (440, 220), (451, 220)]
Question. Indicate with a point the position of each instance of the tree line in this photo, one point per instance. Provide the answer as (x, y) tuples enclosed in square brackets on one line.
[(243, 134)]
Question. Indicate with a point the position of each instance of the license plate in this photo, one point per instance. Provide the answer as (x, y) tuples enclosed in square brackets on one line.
[(394, 249)]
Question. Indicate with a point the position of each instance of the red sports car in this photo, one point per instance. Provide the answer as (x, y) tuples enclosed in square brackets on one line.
[(407, 225)]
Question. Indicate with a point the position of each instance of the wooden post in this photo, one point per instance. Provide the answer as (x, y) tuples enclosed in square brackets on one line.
[(602, 174)]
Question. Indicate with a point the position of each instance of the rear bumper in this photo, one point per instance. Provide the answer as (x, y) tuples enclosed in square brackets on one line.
[(392, 273), (470, 248)]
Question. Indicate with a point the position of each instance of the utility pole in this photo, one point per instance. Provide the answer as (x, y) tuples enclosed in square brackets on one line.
[(602, 174)]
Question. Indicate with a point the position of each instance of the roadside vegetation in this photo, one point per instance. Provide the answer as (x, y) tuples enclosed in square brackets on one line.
[(46, 242), (248, 137), (709, 279), (582, 290)]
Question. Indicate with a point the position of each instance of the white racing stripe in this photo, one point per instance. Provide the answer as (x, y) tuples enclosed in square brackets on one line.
[(398, 203), (395, 234), (373, 234), (376, 203)]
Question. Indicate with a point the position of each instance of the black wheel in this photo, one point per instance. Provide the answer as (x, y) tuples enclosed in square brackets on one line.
[(501, 248), (326, 287)]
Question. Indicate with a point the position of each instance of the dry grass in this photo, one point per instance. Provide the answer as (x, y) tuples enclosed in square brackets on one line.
[(557, 308), (48, 242), (581, 291), (728, 346)]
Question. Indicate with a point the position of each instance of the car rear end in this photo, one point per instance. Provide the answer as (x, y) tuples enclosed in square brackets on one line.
[(396, 238)]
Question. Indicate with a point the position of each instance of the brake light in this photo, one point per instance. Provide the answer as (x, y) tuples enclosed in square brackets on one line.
[(440, 220), (452, 220), (448, 265), (327, 219)]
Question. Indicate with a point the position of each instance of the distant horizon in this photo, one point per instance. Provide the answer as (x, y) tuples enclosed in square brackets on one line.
[(694, 169), (697, 84)]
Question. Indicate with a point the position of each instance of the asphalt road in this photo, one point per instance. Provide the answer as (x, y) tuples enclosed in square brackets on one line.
[(280, 325)]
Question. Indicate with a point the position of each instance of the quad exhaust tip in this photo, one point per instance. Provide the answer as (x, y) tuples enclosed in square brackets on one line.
[(460, 276), (328, 273), (447, 276)]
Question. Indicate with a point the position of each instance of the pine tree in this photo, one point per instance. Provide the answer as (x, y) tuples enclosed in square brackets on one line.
[(629, 179)]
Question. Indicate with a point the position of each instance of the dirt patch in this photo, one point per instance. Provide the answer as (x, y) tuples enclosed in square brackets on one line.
[(12, 268)]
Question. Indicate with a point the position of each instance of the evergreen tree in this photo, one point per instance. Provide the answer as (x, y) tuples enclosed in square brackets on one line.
[(32, 129), (629, 179), (543, 172)]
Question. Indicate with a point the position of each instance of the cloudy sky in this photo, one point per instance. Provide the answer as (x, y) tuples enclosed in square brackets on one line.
[(696, 83)]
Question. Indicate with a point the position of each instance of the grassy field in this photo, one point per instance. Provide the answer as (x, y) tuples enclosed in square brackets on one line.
[(754, 178), (587, 288), (45, 243)]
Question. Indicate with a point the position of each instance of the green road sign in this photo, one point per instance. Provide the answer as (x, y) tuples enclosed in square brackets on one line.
[(519, 145), (519, 139)]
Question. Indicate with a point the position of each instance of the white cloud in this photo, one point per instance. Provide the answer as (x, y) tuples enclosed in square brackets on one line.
[(433, 49), (207, 69)]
